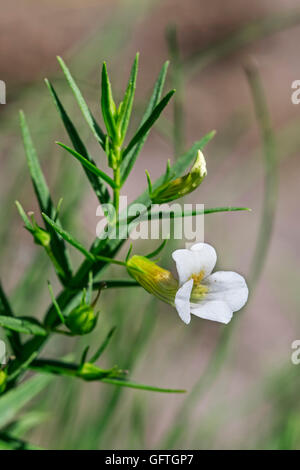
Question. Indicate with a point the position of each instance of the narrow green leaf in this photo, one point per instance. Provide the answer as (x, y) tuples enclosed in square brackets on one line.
[(158, 250), (107, 104), (52, 366), (69, 238), (103, 346), (130, 158), (145, 128), (190, 213), (115, 283), (94, 126), (55, 304), (96, 182), (22, 325), (126, 106), (13, 401), (24, 216), (44, 198), (37, 176), (88, 164), (84, 355), (150, 388)]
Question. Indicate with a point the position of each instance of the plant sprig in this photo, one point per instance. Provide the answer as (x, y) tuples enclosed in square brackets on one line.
[(75, 299)]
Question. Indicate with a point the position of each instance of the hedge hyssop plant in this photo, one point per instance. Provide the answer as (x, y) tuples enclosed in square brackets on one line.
[(73, 311)]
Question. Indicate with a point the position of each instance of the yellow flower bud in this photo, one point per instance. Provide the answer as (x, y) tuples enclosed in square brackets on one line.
[(154, 279), (183, 185)]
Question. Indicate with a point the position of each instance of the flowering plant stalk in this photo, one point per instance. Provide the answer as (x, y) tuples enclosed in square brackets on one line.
[(72, 311)]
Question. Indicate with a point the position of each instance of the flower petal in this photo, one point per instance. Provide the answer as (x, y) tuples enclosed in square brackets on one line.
[(201, 257), (214, 310), (228, 286), (182, 301)]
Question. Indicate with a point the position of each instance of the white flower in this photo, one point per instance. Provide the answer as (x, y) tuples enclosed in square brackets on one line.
[(210, 296)]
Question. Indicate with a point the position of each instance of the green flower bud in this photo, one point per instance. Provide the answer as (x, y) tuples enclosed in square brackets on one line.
[(183, 185), (3, 377), (154, 279), (41, 237), (82, 320)]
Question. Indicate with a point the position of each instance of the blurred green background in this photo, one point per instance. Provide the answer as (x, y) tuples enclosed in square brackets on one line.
[(242, 386)]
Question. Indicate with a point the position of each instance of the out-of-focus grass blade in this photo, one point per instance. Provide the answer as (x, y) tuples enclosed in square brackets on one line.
[(145, 128), (43, 195), (8, 442), (94, 126), (131, 157), (178, 83), (69, 238), (253, 31), (25, 423), (123, 383), (271, 172), (90, 166), (103, 346), (13, 401), (125, 108), (22, 325), (5, 309), (107, 104), (97, 184)]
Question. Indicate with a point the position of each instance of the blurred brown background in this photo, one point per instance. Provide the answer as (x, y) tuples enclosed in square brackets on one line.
[(215, 96)]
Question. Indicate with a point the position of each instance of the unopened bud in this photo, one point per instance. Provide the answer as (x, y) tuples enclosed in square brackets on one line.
[(183, 185), (154, 279), (82, 320)]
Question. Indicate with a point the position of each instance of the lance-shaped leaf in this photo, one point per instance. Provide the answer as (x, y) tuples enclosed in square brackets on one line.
[(13, 401), (130, 158), (153, 215), (88, 164), (114, 283), (103, 346), (149, 388), (108, 105), (145, 128), (94, 126), (125, 108), (44, 198), (96, 182), (157, 250), (23, 325), (89, 372), (69, 238)]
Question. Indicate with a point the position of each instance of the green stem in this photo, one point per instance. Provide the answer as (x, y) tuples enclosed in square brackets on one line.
[(117, 157)]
